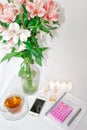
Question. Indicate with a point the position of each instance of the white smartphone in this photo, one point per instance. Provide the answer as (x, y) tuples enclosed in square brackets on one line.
[(37, 106)]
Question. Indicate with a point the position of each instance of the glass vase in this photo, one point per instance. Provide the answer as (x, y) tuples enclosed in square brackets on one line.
[(30, 78)]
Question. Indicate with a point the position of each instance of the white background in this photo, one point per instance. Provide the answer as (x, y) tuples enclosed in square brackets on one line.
[(66, 60)]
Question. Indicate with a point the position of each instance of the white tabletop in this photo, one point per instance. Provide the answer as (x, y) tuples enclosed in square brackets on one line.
[(66, 60)]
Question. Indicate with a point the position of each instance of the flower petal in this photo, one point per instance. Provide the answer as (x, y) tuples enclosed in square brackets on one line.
[(1, 28), (14, 26), (15, 39), (6, 35), (23, 37), (41, 12), (30, 6)]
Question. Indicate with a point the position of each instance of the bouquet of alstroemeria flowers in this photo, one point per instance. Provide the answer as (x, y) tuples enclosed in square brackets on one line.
[(20, 23)]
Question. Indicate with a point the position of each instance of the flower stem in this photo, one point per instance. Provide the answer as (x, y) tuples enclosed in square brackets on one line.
[(27, 66)]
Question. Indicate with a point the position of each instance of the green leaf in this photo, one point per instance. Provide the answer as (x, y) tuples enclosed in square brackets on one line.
[(35, 53), (4, 24), (39, 51), (51, 35), (52, 28), (33, 24), (26, 22), (21, 71), (39, 61), (1, 38), (25, 10), (28, 44), (31, 59), (45, 21), (12, 54), (55, 22), (35, 30), (34, 40), (25, 16), (4, 41), (18, 21), (19, 54), (8, 56), (26, 53), (36, 47), (44, 29), (43, 48), (13, 49), (19, 42), (28, 48), (9, 1)]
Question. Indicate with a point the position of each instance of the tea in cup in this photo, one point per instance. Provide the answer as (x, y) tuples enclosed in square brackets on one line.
[(14, 103)]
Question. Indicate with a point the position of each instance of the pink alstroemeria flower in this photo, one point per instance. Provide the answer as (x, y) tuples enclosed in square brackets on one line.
[(51, 11), (35, 8), (2, 29), (8, 12)]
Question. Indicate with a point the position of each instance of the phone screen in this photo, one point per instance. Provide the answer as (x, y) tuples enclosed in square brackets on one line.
[(37, 106)]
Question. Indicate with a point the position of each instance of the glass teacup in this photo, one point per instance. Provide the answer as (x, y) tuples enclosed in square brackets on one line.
[(14, 103)]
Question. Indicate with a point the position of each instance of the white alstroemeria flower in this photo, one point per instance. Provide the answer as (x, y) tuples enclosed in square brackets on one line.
[(15, 33), (24, 35), (12, 33)]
